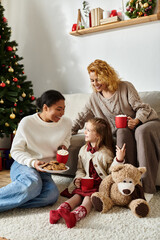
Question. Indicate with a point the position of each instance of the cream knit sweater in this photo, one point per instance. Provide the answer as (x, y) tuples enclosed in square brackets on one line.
[(38, 140)]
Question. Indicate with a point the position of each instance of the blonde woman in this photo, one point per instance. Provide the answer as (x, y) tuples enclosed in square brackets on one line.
[(112, 97)]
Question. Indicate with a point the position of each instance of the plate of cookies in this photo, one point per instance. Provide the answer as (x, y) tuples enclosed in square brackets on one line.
[(54, 167)]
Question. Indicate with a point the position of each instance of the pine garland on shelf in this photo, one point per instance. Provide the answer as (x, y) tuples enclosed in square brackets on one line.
[(140, 8)]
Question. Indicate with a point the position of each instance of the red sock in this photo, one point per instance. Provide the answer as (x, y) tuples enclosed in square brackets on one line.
[(55, 215), (72, 217)]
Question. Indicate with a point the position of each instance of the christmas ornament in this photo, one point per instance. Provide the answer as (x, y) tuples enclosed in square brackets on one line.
[(23, 95), (7, 124), (12, 116), (14, 48), (14, 132), (18, 86), (140, 8), (15, 104), (10, 69), (2, 84), (9, 48), (4, 19), (15, 79), (145, 5), (32, 98), (140, 14), (1, 101), (7, 81)]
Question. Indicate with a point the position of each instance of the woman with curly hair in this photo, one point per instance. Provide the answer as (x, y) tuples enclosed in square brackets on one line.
[(111, 96)]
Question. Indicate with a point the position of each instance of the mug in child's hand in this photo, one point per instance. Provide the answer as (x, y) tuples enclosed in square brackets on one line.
[(87, 183), (121, 121), (62, 156)]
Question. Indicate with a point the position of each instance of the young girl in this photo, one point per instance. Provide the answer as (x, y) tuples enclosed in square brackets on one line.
[(95, 158), (37, 138)]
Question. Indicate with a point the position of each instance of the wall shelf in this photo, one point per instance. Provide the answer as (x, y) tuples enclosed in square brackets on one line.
[(119, 24)]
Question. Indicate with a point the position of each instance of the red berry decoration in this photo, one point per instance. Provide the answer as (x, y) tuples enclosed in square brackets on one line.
[(18, 86), (15, 104)]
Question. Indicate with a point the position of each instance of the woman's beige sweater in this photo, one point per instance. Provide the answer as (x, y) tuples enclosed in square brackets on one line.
[(124, 101)]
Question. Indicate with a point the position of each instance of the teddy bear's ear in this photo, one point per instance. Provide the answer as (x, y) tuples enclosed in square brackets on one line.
[(116, 168), (142, 169)]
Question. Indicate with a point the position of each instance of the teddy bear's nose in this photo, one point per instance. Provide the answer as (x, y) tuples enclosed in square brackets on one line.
[(126, 191)]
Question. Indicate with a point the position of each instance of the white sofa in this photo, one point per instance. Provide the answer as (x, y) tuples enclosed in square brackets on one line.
[(76, 102)]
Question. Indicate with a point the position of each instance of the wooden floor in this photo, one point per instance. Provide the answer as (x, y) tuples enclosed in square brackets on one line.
[(4, 178)]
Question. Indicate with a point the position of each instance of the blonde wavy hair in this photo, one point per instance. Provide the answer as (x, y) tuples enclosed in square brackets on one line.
[(105, 73)]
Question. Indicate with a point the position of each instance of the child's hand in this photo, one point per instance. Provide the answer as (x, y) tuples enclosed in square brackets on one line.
[(77, 182), (120, 153)]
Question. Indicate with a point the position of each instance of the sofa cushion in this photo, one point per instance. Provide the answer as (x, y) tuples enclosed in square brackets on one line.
[(152, 98), (75, 103)]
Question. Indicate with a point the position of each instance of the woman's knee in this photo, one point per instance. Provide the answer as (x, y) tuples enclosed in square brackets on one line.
[(31, 186), (124, 135), (142, 132)]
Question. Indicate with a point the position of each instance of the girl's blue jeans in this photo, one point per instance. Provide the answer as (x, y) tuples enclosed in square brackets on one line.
[(29, 188)]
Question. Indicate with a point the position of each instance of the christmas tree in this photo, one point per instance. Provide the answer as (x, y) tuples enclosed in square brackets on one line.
[(16, 94)]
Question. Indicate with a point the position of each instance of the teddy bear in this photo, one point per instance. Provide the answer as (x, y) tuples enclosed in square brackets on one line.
[(122, 188)]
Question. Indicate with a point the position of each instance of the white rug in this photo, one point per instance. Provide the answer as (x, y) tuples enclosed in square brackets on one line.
[(117, 224)]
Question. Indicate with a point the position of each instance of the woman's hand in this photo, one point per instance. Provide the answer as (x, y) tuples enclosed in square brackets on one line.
[(77, 182), (120, 153), (132, 123), (37, 164)]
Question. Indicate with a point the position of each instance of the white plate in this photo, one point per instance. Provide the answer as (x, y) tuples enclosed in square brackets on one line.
[(54, 171)]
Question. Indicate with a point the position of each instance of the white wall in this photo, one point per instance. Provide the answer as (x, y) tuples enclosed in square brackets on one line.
[(55, 59)]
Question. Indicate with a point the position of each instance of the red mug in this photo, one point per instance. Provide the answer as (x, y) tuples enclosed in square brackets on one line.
[(87, 184), (62, 156), (121, 121)]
